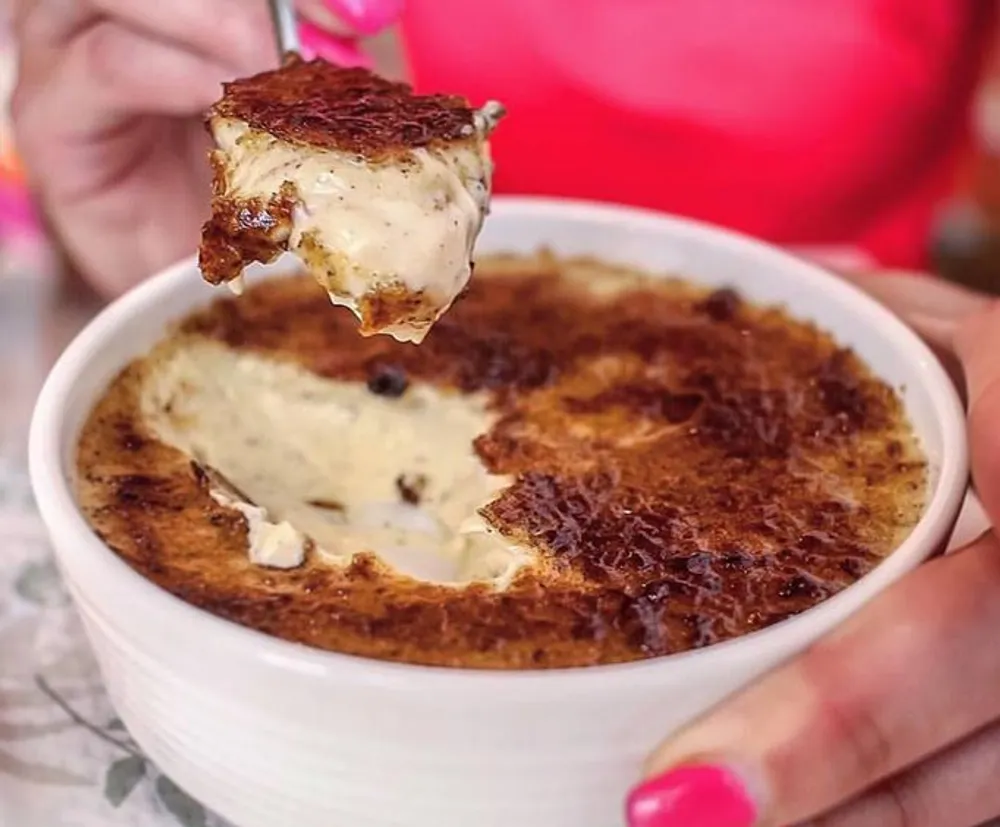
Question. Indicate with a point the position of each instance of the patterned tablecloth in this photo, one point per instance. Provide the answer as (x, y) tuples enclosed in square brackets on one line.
[(65, 760)]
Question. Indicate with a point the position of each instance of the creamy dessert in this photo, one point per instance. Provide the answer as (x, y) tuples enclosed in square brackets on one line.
[(380, 192), (677, 467)]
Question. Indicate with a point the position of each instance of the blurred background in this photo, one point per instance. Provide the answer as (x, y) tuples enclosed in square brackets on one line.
[(43, 301), (966, 244), (964, 247)]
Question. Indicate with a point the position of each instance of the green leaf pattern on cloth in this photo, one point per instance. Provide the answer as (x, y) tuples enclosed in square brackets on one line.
[(63, 750), (184, 808), (122, 777), (39, 583)]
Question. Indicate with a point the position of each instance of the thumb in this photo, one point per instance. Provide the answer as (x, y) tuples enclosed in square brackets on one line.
[(934, 308), (330, 28), (352, 18), (906, 677), (978, 346)]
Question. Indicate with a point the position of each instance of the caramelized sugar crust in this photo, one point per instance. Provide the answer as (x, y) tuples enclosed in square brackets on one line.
[(690, 469), (242, 231), (350, 110), (392, 305)]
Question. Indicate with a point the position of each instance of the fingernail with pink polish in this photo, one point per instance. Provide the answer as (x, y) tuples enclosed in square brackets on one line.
[(367, 16), (695, 796), (317, 42)]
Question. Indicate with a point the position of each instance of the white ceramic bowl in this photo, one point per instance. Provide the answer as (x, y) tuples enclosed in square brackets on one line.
[(272, 734)]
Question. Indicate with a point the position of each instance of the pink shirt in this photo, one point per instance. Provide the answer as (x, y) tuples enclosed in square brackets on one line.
[(806, 122)]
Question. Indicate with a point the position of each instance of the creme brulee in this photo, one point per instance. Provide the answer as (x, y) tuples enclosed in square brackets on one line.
[(580, 465)]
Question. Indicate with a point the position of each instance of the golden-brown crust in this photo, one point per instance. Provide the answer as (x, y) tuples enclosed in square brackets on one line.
[(395, 305), (690, 468), (318, 104), (241, 231)]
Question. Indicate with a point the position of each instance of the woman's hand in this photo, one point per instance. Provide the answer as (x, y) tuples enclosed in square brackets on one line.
[(108, 113), (894, 719)]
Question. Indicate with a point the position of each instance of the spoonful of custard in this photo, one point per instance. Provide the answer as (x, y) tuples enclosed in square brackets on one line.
[(380, 192)]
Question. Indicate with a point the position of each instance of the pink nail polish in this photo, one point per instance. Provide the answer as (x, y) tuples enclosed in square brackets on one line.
[(367, 17), (695, 796), (317, 42)]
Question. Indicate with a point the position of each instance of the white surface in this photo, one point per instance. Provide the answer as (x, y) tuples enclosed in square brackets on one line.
[(269, 733)]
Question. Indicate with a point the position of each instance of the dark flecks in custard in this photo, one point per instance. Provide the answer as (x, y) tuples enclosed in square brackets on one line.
[(688, 479), (411, 487), (328, 505), (387, 380)]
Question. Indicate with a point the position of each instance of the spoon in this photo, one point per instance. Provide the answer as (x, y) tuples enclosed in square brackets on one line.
[(286, 30)]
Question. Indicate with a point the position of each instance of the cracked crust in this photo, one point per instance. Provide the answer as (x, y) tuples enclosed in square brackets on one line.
[(324, 106), (242, 231), (688, 467)]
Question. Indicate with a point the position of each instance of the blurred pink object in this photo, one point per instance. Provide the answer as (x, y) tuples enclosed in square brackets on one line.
[(838, 259), (25, 247), (17, 212), (18, 217), (340, 24), (366, 17), (343, 51), (805, 123)]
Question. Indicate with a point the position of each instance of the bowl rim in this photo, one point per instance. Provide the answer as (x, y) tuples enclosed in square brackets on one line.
[(63, 519)]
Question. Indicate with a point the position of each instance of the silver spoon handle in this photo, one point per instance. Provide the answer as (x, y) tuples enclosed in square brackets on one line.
[(286, 29)]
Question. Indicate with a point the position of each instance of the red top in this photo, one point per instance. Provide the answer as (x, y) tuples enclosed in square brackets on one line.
[(800, 121)]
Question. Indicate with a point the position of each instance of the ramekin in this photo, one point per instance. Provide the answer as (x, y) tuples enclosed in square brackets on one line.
[(273, 734)]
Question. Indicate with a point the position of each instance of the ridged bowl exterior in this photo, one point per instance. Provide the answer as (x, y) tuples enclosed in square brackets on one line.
[(272, 734)]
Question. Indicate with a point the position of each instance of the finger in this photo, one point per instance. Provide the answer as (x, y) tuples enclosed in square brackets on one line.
[(342, 51), (170, 80), (330, 28), (978, 345), (233, 33), (321, 15), (957, 788), (350, 18), (49, 23), (42, 29), (96, 84), (836, 258), (933, 307), (912, 672)]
